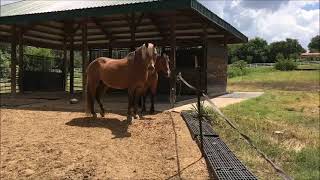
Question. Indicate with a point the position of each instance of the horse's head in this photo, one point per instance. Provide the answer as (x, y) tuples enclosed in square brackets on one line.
[(162, 64), (148, 54)]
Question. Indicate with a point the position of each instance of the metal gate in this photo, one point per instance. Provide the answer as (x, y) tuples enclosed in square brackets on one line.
[(42, 74)]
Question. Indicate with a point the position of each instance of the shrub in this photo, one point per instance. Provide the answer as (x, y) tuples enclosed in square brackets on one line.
[(238, 68), (240, 64), (285, 65), (279, 57)]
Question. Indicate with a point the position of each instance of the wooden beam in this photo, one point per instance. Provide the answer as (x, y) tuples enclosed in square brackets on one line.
[(139, 20), (156, 23), (39, 36), (13, 60), (132, 26), (107, 32), (84, 56)]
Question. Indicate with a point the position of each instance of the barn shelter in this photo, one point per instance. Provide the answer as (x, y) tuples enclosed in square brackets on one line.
[(191, 34)]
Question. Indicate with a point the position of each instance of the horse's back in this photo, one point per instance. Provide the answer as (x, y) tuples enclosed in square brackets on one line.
[(113, 72)]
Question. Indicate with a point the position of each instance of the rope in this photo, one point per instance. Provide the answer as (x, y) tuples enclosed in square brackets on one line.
[(278, 170)]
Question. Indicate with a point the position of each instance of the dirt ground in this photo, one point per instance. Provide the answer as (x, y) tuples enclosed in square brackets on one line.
[(45, 144)]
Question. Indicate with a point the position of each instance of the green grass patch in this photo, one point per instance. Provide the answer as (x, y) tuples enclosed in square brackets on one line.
[(269, 79), (294, 114), (283, 122), (309, 67)]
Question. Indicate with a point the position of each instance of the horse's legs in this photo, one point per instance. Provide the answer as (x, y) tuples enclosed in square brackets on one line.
[(130, 103), (91, 93), (135, 98), (143, 103), (99, 92), (152, 103), (139, 93), (153, 92)]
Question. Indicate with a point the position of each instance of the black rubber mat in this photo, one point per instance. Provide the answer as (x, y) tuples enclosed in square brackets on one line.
[(223, 163), (193, 125)]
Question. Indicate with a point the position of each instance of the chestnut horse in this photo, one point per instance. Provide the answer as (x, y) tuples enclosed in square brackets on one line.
[(129, 73), (161, 67)]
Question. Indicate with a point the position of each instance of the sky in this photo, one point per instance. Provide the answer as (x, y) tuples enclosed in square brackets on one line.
[(273, 20)]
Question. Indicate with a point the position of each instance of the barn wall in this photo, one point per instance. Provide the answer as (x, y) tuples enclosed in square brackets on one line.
[(217, 61)]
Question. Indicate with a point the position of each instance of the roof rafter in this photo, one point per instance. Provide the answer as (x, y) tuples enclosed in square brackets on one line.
[(107, 32), (154, 21)]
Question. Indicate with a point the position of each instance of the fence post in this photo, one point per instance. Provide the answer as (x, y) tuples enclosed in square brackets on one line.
[(199, 91)]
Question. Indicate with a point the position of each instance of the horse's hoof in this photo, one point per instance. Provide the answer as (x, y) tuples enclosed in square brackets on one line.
[(102, 114), (129, 119), (151, 111), (136, 116), (94, 115)]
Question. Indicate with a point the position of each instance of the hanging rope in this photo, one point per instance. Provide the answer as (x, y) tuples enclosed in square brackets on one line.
[(278, 170)]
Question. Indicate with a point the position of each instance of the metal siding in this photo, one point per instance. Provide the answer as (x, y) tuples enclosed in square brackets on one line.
[(36, 7)]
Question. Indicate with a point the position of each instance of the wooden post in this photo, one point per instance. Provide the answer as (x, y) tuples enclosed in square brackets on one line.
[(205, 60), (64, 70), (110, 51), (13, 60), (199, 94), (84, 55), (133, 32), (71, 86), (90, 55), (173, 59), (21, 68)]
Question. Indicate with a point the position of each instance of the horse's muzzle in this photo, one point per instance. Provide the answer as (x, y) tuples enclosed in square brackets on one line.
[(151, 67)]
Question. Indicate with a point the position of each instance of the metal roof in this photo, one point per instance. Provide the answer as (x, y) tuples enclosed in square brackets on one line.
[(43, 6), (48, 18)]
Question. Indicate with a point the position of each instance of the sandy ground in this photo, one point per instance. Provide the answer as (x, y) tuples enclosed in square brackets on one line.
[(38, 144)]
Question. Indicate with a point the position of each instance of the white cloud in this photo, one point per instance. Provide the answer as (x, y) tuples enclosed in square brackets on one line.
[(271, 20)]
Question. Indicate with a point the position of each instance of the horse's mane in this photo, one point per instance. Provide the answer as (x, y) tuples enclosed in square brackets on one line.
[(130, 56)]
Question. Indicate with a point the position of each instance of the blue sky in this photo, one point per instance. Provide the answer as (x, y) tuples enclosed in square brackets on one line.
[(272, 20)]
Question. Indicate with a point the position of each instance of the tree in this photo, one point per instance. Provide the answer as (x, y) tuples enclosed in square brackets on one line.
[(233, 52), (5, 57), (288, 48), (314, 45), (254, 51), (38, 51)]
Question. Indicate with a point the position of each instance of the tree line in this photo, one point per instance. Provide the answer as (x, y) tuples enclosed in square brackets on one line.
[(257, 50)]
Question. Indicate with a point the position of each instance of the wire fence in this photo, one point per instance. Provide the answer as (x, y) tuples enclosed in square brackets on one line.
[(200, 93)]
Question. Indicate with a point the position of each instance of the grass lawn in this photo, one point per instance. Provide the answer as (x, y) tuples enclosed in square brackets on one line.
[(262, 79), (284, 122)]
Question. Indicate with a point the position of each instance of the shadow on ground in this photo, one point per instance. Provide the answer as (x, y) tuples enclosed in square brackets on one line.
[(118, 128)]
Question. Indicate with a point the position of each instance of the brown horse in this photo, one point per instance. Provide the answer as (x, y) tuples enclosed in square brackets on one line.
[(129, 73), (161, 66)]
